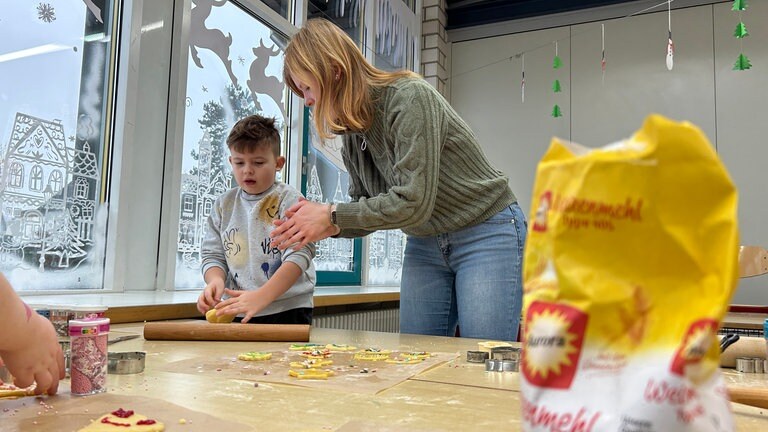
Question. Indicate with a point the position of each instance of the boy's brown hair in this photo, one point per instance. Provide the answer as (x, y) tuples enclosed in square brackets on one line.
[(254, 132)]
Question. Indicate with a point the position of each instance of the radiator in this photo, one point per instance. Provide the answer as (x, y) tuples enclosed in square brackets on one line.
[(382, 320)]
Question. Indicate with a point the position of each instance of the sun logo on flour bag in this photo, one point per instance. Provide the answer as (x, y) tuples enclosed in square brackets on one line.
[(690, 355), (554, 335), (542, 212)]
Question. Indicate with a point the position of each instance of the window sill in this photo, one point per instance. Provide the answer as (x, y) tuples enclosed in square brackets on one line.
[(135, 306)]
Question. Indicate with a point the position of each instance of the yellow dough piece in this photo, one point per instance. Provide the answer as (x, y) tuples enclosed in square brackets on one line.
[(416, 354), (342, 347), (372, 354), (211, 317), (111, 422), (311, 374), (489, 345), (405, 360), (10, 391), (311, 363), (255, 356), (304, 347), (316, 354)]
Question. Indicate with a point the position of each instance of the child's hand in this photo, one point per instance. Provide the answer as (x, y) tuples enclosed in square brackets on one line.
[(248, 302), (40, 360), (211, 296)]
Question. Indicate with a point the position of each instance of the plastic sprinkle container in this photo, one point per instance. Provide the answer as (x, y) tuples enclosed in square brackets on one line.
[(88, 363)]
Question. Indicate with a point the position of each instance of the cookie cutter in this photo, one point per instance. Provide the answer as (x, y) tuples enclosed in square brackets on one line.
[(745, 365), (477, 356), (498, 365), (505, 353), (125, 363)]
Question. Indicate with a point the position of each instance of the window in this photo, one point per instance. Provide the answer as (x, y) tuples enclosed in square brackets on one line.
[(16, 175), (54, 64), (36, 178), (55, 181), (234, 70)]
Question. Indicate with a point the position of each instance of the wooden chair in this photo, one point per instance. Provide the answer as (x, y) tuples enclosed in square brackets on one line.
[(753, 261)]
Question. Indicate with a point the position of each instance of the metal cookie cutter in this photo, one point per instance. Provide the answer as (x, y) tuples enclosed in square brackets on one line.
[(123, 363), (745, 365), (477, 356), (505, 353)]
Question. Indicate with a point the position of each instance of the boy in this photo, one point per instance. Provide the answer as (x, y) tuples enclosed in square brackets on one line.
[(269, 286)]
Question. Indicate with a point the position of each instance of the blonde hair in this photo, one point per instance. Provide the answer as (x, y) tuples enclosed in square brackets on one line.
[(321, 50)]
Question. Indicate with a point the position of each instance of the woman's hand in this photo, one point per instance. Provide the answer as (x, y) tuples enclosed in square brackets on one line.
[(248, 302), (306, 222)]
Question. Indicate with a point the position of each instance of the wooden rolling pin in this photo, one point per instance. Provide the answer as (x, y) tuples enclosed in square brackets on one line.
[(756, 397), (205, 331), (744, 347)]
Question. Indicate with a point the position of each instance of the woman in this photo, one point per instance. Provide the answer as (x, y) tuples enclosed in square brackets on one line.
[(413, 164)]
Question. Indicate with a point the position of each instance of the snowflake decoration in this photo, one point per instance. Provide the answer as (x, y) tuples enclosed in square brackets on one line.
[(71, 137), (46, 13), (205, 89), (241, 60)]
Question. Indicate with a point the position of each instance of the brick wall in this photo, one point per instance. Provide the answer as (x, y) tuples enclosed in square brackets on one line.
[(434, 45)]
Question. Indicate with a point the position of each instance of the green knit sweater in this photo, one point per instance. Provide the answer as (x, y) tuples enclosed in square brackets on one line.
[(418, 168)]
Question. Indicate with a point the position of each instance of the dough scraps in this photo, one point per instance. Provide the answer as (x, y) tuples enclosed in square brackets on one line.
[(124, 421), (255, 356), (211, 317)]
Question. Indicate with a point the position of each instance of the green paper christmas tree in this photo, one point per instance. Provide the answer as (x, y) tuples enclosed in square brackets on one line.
[(739, 5), (557, 63), (741, 31), (556, 86), (742, 63), (556, 112)]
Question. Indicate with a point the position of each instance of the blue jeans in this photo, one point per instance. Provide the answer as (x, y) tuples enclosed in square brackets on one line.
[(471, 277)]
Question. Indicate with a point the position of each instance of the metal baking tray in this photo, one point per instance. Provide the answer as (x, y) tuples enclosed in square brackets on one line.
[(123, 363)]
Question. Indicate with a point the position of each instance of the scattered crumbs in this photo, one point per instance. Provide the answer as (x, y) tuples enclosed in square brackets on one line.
[(218, 369), (267, 372), (182, 421), (255, 384)]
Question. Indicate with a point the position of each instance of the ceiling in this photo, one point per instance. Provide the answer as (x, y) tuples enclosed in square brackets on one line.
[(467, 13)]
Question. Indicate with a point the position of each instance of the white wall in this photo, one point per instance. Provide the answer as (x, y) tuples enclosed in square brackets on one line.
[(729, 106)]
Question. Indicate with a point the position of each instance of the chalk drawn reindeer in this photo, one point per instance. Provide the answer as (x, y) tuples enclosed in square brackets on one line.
[(259, 82), (201, 36)]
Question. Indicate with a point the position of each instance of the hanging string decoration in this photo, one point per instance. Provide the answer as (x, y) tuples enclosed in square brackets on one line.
[(602, 60), (556, 87), (742, 61), (522, 79), (670, 44)]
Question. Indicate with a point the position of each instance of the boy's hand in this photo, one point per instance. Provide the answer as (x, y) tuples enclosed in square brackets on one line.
[(211, 296), (248, 302), (38, 361)]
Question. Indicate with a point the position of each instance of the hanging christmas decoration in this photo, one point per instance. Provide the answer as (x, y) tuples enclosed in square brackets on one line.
[(670, 44), (557, 64), (522, 80), (602, 60), (742, 61)]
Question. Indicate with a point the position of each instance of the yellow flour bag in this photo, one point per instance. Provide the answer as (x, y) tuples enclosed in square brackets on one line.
[(630, 264)]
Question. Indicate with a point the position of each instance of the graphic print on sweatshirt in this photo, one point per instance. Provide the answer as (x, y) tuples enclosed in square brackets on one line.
[(269, 208), (231, 246)]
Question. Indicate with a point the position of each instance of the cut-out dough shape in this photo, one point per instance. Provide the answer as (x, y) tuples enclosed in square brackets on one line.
[(255, 356)]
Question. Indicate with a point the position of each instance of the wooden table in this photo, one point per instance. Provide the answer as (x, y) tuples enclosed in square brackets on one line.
[(455, 396)]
